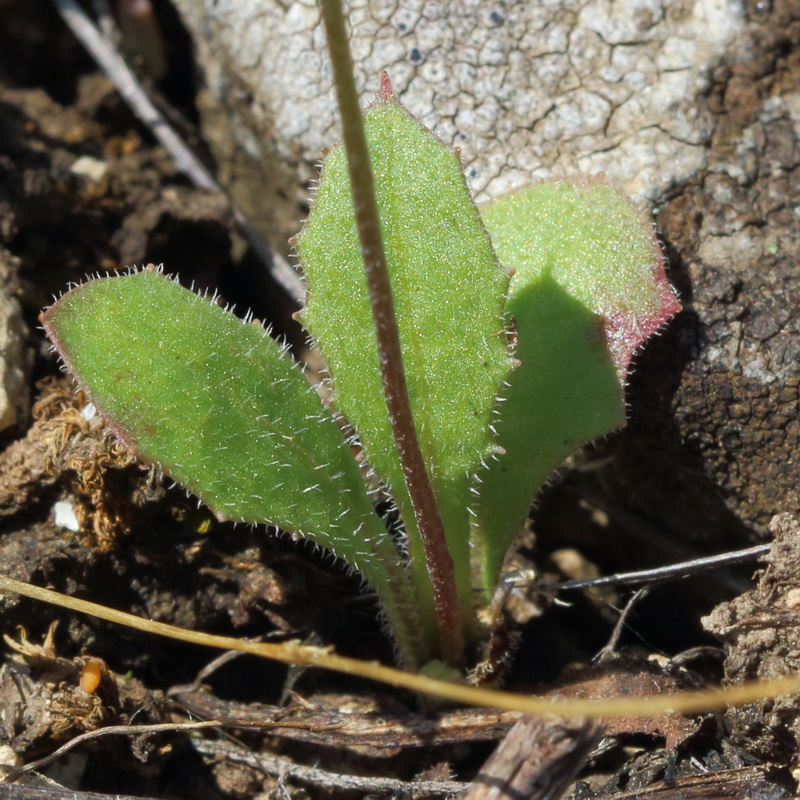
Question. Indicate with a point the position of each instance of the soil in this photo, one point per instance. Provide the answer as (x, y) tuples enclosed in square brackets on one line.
[(139, 545)]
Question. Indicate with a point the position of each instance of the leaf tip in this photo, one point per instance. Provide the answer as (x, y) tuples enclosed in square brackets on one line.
[(386, 92)]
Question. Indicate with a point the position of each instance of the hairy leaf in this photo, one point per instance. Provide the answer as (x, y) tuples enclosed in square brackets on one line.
[(448, 292), (588, 291), (220, 406)]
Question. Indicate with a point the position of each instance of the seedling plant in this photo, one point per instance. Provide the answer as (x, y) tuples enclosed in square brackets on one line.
[(507, 332)]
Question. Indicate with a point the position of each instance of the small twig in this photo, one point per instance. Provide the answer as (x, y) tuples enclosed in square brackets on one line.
[(109, 60), (112, 730), (658, 574), (205, 672), (284, 768), (608, 651), (426, 510)]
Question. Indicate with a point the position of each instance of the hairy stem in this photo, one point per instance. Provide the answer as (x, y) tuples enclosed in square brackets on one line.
[(426, 511)]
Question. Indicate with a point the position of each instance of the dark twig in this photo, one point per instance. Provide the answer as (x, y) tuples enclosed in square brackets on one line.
[(426, 511), (671, 572), (641, 528)]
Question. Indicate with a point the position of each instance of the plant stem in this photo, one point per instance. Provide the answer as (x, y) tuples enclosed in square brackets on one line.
[(426, 511)]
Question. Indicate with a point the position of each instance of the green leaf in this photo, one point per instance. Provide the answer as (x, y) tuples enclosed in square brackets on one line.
[(448, 292), (588, 291), (219, 405)]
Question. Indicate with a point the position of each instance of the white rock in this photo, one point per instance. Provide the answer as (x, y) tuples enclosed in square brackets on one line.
[(64, 516), (91, 168), (524, 89)]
